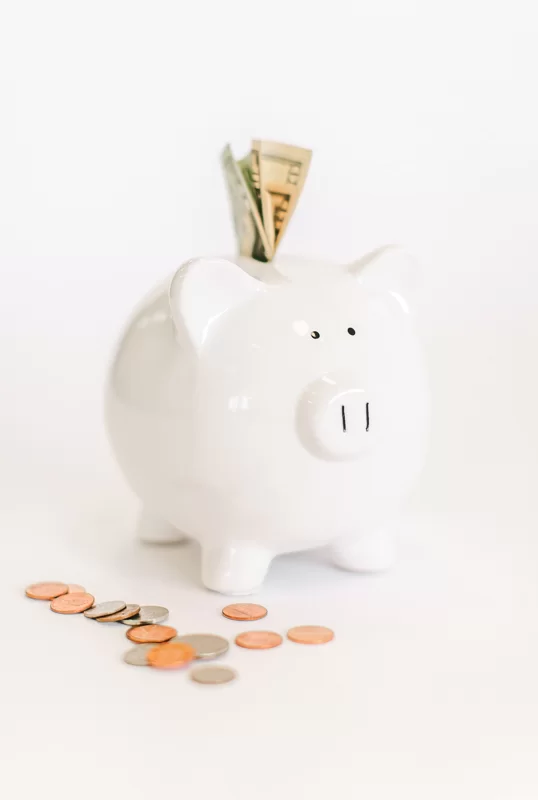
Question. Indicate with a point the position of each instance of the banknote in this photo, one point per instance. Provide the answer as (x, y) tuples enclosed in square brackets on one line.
[(249, 229), (282, 174), (264, 189)]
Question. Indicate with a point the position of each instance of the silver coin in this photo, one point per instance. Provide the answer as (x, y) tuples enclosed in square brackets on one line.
[(207, 645), (137, 656), (130, 610), (148, 615), (213, 674), (134, 620), (103, 609)]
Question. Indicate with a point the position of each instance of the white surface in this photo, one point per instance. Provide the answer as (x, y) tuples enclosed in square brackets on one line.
[(424, 131), (226, 416)]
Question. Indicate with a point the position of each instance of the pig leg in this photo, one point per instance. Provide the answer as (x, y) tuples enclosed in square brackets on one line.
[(237, 568), (155, 530), (367, 552)]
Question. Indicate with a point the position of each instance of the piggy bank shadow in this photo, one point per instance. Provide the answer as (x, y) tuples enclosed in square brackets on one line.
[(104, 538), (178, 563), (101, 533), (99, 529)]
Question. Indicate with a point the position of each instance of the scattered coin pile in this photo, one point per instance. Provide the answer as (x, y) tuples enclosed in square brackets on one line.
[(159, 646)]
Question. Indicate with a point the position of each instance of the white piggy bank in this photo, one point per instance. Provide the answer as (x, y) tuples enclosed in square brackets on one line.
[(264, 415)]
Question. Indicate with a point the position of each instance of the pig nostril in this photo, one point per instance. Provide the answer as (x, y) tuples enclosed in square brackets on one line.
[(367, 416), (344, 419)]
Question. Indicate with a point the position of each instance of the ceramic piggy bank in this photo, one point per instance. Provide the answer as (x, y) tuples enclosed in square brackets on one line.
[(268, 408)]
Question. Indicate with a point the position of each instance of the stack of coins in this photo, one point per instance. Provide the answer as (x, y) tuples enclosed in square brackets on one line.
[(160, 646)]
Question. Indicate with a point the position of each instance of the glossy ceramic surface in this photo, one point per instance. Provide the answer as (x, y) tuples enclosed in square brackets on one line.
[(269, 408)]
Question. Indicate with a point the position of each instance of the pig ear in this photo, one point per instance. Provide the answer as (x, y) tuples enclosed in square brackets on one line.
[(205, 288), (388, 269)]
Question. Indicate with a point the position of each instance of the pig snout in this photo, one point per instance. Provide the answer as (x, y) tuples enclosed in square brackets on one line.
[(333, 417)]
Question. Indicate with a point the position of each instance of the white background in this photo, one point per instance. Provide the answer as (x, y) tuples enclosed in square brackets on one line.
[(422, 117)]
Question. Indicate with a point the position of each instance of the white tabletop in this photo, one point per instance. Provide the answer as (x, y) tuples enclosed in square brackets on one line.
[(428, 689)]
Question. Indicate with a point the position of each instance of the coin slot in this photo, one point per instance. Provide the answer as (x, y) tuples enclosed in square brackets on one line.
[(367, 416), (344, 427)]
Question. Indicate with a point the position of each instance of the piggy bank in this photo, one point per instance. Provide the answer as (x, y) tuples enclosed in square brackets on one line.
[(269, 408)]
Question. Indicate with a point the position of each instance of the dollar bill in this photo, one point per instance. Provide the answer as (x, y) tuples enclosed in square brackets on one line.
[(251, 236), (264, 189), (282, 174), (252, 180)]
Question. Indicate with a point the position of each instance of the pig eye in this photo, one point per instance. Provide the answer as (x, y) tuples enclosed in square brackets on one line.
[(351, 331), (315, 335)]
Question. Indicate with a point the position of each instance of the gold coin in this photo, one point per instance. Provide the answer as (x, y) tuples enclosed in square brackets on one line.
[(244, 611), (72, 603), (46, 591), (258, 640), (310, 634)]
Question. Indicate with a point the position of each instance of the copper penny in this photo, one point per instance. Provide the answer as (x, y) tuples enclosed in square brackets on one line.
[(244, 611), (143, 634), (170, 655), (72, 603), (310, 634), (46, 591), (130, 610), (74, 587), (258, 640)]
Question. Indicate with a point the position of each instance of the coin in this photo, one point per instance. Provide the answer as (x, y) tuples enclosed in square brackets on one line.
[(148, 615), (151, 633), (310, 634), (138, 656), (258, 640), (129, 611), (213, 674), (72, 603), (102, 609), (46, 591), (206, 645), (75, 587), (244, 611), (170, 655)]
